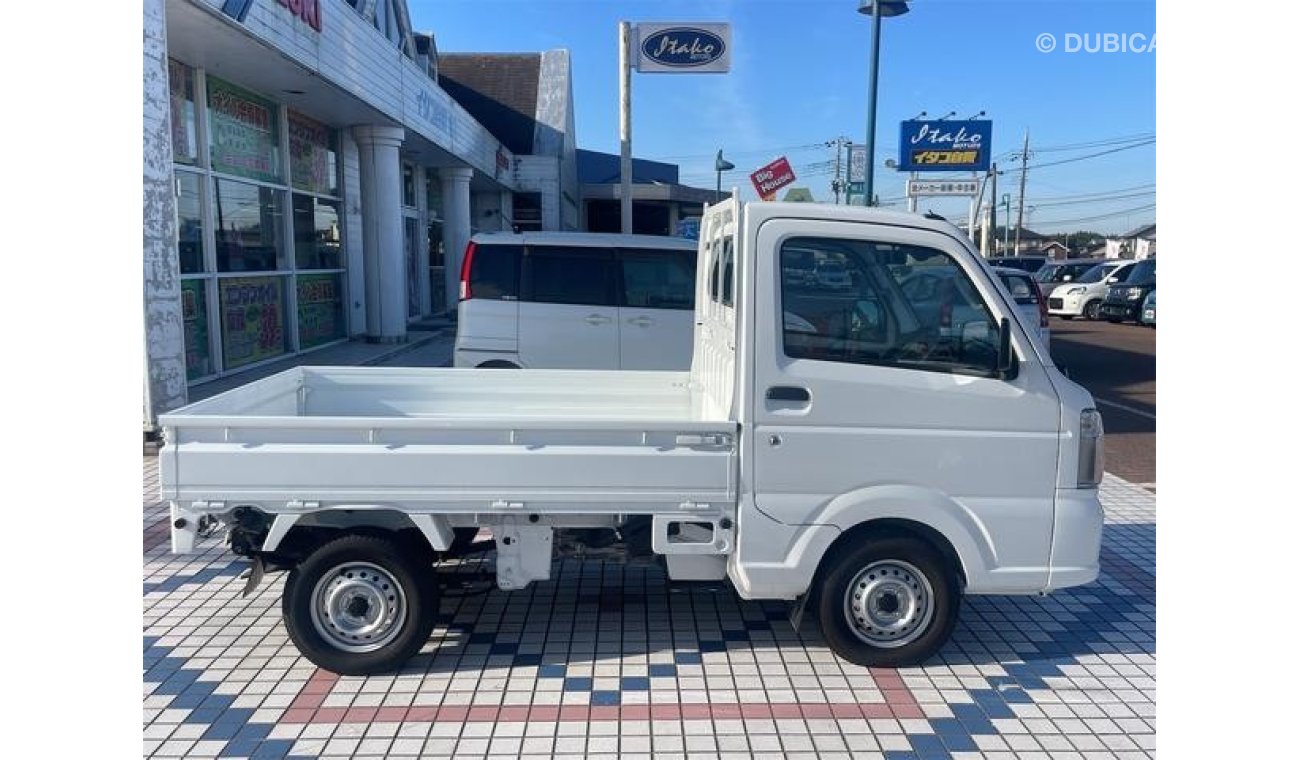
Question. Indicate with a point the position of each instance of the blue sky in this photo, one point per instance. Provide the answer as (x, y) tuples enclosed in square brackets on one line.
[(799, 79)]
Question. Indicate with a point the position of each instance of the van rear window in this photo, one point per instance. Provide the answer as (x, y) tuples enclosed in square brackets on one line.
[(494, 273)]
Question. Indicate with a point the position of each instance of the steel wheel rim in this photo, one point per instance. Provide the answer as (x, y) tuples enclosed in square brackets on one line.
[(358, 607), (889, 604)]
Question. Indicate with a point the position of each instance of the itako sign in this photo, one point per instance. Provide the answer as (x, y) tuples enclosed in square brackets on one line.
[(772, 177)]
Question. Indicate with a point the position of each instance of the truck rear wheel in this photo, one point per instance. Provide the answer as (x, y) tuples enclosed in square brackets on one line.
[(890, 602), (358, 606)]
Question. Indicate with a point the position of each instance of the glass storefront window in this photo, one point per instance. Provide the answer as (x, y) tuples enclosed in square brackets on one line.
[(317, 239), (243, 131), (313, 156), (189, 222), (185, 140), (249, 222), (432, 194), (194, 314), (320, 309), (252, 319), (408, 185)]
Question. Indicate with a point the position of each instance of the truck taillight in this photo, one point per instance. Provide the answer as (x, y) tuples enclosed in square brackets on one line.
[(1092, 450), (1042, 306), (465, 266)]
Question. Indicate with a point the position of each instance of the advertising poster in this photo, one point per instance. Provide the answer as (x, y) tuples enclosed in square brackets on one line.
[(320, 309), (252, 319), (309, 155), (194, 315), (244, 139), (772, 177)]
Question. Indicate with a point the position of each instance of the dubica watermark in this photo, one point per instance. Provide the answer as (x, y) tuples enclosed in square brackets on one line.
[(1097, 42)]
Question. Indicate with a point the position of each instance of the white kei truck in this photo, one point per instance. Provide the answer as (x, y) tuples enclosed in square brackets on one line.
[(858, 449)]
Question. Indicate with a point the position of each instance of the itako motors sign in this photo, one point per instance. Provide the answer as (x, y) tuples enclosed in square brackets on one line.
[(772, 177), (944, 146), (683, 48)]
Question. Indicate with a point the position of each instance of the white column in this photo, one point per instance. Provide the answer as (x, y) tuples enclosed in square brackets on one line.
[(164, 387), (381, 223), (455, 225)]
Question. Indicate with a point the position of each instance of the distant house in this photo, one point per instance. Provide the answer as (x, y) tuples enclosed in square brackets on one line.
[(1054, 249), (1134, 244)]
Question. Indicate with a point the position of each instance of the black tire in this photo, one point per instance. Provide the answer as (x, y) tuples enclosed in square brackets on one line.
[(832, 602), (418, 592), (497, 364), (1067, 317), (1090, 310)]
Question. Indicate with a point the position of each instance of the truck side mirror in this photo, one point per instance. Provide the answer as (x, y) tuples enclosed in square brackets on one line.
[(1007, 366)]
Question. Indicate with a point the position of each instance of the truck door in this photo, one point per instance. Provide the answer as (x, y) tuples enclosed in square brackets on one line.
[(857, 388), (567, 316)]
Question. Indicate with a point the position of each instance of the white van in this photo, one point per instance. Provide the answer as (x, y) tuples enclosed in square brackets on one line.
[(574, 300)]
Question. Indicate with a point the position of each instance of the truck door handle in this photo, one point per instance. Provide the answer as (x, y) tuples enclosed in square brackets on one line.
[(597, 319), (641, 321), (788, 393)]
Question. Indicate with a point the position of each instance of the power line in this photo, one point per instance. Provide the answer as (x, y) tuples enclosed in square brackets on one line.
[(1136, 209), (1084, 201), (1092, 155)]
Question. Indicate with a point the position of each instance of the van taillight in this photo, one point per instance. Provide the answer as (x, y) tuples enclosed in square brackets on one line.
[(1042, 306), (465, 266)]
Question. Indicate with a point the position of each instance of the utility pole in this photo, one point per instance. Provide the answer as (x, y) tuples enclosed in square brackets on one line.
[(625, 124), (1024, 168), (993, 206), (1006, 226), (839, 143)]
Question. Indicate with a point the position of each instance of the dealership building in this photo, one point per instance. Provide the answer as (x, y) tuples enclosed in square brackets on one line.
[(308, 180)]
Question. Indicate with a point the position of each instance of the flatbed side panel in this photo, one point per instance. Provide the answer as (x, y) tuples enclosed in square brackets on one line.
[(456, 475)]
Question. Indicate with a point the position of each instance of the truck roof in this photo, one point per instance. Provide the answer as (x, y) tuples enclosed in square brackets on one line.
[(585, 239), (761, 210)]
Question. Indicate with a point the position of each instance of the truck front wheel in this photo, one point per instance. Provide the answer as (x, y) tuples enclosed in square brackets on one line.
[(358, 606), (889, 602)]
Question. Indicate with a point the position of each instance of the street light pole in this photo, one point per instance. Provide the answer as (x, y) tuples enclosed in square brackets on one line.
[(720, 165), (876, 9), (869, 183)]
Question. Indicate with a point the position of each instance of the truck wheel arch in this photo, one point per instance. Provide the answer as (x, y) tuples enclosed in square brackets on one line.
[(912, 511), (420, 533)]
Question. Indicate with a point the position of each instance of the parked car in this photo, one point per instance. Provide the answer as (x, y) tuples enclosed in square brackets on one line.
[(1029, 300), (1082, 297), (1029, 264), (1057, 272), (1124, 299), (1149, 310), (576, 301)]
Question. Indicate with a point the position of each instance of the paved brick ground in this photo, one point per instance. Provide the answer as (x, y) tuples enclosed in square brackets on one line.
[(611, 661)]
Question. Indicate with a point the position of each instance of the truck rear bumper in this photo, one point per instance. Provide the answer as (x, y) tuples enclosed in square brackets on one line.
[(1076, 538)]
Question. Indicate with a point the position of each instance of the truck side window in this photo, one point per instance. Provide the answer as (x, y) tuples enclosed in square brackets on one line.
[(885, 304)]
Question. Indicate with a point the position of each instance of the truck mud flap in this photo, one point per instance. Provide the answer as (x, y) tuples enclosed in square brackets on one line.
[(254, 575)]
